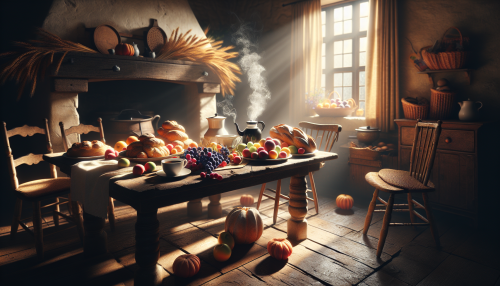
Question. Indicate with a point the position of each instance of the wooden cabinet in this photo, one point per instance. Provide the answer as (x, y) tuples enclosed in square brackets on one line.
[(455, 170)]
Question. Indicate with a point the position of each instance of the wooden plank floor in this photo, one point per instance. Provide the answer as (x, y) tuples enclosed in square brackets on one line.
[(336, 252)]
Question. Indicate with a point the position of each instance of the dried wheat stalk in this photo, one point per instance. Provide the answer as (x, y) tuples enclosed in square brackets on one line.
[(34, 56), (207, 51)]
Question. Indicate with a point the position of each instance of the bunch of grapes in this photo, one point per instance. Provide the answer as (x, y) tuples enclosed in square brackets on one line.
[(206, 159)]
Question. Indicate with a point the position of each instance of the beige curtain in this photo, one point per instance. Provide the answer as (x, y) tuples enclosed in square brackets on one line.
[(382, 86), (305, 65)]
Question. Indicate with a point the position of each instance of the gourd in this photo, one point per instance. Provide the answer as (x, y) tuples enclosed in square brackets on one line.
[(246, 200), (344, 202), (244, 224), (124, 49), (279, 248), (186, 265)]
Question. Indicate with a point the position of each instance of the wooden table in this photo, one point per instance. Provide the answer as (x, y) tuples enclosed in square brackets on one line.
[(149, 192)]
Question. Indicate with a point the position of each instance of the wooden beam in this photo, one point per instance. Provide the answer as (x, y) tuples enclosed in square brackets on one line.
[(208, 88), (72, 85)]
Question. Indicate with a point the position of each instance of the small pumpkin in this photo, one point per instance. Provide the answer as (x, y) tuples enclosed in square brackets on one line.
[(246, 200), (244, 224), (344, 202), (186, 265), (124, 49), (279, 248)]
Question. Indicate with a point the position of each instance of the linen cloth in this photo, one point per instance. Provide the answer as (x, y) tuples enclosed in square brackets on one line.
[(90, 184)]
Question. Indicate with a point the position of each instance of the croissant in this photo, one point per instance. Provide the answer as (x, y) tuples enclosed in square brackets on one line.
[(155, 148)]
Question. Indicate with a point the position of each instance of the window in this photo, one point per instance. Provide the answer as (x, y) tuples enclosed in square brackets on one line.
[(344, 49)]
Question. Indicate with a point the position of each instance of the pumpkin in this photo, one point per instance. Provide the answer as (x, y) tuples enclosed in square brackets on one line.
[(244, 224), (246, 200), (279, 248), (186, 265), (124, 49), (344, 202)]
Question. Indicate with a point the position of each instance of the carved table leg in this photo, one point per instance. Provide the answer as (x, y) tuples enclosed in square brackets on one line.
[(194, 208), (297, 207), (214, 207), (96, 240), (147, 248), (77, 217)]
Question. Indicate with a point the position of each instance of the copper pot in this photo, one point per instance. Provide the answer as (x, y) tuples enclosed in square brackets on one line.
[(367, 134)]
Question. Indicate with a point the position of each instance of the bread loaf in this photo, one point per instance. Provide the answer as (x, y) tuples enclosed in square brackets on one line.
[(155, 148), (282, 132), (172, 125), (176, 135), (146, 136), (134, 149), (293, 136), (87, 149)]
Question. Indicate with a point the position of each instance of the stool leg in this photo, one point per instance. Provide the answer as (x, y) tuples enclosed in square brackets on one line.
[(277, 201), (428, 212), (385, 225), (111, 214), (410, 207), (260, 195), (37, 228), (17, 216), (315, 195), (369, 215), (55, 215)]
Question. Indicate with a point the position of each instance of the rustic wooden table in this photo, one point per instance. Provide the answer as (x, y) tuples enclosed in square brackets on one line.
[(149, 192)]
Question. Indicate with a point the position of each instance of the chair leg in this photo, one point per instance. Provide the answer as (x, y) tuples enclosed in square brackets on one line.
[(385, 225), (70, 211), (17, 216), (369, 215), (55, 216), (432, 225), (315, 195), (37, 228), (277, 201), (410, 208), (260, 195), (111, 213), (77, 217)]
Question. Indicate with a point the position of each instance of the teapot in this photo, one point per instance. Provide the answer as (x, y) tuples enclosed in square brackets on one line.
[(468, 111), (252, 132)]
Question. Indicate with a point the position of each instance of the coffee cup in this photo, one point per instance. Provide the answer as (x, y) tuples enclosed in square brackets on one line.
[(172, 167)]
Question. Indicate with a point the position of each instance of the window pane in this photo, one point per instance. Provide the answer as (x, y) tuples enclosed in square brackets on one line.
[(347, 93), (362, 44), (323, 49), (347, 79), (348, 27), (339, 90), (337, 61), (337, 79), (323, 17), (347, 46), (337, 28), (323, 31), (363, 9), (362, 59), (361, 93), (362, 106), (337, 14), (337, 47), (347, 60), (348, 12), (323, 81), (323, 62), (361, 78), (363, 24)]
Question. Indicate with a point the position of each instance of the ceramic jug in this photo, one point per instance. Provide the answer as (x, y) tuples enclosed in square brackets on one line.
[(215, 127), (252, 132), (468, 110)]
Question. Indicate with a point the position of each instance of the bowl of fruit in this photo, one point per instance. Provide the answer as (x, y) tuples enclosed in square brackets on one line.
[(335, 107), (266, 151)]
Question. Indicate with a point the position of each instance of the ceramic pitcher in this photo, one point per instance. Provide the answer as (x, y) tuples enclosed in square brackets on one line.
[(469, 110)]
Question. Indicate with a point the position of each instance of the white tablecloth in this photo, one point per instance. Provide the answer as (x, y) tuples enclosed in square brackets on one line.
[(90, 184)]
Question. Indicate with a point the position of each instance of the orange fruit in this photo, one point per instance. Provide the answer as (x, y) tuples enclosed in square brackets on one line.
[(319, 105), (120, 145), (257, 145), (131, 139)]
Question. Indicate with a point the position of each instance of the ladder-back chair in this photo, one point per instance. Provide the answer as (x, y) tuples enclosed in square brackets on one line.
[(416, 180), (325, 133), (37, 190), (85, 129)]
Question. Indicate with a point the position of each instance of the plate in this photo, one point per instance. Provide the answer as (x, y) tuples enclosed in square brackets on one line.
[(145, 160), (65, 155), (305, 155), (268, 161), (334, 112), (183, 173)]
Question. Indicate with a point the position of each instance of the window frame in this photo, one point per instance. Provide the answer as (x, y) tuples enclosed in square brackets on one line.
[(329, 41)]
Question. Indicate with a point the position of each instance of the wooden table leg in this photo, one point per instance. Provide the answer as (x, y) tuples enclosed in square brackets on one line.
[(194, 208), (77, 217), (96, 240), (147, 248), (297, 207), (214, 207)]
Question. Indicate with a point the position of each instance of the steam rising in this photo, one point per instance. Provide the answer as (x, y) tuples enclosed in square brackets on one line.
[(227, 107), (249, 62)]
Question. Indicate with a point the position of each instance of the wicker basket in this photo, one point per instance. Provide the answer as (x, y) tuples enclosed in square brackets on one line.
[(415, 111), (442, 104), (447, 60)]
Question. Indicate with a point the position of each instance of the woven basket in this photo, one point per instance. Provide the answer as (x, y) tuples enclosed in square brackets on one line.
[(448, 60), (415, 111), (442, 104)]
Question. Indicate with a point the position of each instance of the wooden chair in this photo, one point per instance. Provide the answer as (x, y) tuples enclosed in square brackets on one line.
[(403, 182), (37, 190), (330, 135), (85, 129)]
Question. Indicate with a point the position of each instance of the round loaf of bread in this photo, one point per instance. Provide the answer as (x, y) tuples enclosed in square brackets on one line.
[(87, 149), (176, 135), (172, 125)]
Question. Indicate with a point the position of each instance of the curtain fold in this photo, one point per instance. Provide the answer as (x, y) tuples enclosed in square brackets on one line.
[(305, 62), (382, 82)]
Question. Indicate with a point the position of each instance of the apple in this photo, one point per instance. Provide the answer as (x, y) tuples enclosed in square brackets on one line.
[(277, 142), (110, 156), (109, 151), (273, 154), (284, 144), (270, 145), (301, 150), (293, 149), (263, 154), (252, 149), (138, 170), (246, 153), (278, 149), (269, 138), (260, 149), (249, 144), (222, 252), (226, 238), (262, 142), (149, 167), (241, 147), (255, 155), (283, 154), (123, 163), (237, 160)]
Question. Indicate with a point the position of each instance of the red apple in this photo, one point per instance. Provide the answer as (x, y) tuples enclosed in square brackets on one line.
[(269, 138), (109, 151), (110, 156), (282, 154), (270, 145), (263, 155), (116, 153), (261, 149), (301, 150), (246, 153), (284, 144), (138, 169), (237, 160), (255, 155)]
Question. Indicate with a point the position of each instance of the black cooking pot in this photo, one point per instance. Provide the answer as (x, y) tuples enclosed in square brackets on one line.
[(129, 122)]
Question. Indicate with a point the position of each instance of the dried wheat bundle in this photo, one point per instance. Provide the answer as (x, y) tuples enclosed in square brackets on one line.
[(36, 55), (207, 51)]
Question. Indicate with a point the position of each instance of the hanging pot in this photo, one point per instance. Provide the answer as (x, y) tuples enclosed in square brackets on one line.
[(129, 122)]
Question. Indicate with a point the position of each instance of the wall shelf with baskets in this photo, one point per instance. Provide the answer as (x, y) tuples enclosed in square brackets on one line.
[(429, 73)]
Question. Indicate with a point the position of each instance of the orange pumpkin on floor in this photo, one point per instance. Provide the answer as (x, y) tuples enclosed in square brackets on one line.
[(244, 224), (246, 200), (186, 265), (124, 49), (344, 202), (279, 248)]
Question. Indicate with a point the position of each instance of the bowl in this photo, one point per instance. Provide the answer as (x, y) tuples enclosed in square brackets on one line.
[(367, 134)]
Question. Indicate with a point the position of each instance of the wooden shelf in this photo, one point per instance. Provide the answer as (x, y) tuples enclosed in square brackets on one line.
[(431, 72)]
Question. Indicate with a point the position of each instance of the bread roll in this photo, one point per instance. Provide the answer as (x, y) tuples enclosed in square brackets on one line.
[(162, 132), (172, 125), (155, 148), (176, 135), (87, 149)]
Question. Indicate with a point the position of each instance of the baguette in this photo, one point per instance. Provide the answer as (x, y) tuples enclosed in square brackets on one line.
[(293, 136)]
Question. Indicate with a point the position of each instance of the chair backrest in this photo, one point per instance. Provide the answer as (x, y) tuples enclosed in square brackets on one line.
[(81, 129), (424, 149), (31, 158), (329, 134)]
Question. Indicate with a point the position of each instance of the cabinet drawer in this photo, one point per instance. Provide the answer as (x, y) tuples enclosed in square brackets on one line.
[(459, 140)]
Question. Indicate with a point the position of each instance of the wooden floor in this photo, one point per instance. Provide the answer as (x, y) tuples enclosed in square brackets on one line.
[(336, 252)]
